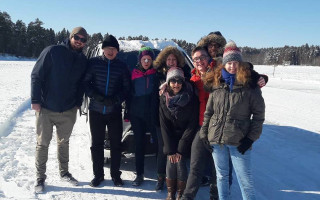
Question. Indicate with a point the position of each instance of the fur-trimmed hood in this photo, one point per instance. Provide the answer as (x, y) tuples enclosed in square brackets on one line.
[(213, 38), (160, 62)]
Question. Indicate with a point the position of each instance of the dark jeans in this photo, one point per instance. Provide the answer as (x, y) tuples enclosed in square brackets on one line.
[(140, 127), (98, 124), (161, 158)]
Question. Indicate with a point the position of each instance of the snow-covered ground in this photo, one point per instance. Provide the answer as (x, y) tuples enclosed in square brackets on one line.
[(285, 159)]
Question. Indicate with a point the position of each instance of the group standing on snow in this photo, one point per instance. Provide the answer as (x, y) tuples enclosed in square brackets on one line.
[(211, 115)]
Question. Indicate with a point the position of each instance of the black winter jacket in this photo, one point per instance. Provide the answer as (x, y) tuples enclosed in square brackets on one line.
[(56, 79), (107, 83), (178, 133)]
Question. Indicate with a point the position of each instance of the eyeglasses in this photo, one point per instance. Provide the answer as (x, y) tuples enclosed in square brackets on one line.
[(83, 40), (179, 81), (198, 59)]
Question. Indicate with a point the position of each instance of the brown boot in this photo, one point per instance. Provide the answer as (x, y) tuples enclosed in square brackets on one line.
[(181, 187), (172, 188)]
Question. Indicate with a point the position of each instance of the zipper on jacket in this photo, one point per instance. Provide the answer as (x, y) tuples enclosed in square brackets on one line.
[(224, 115), (107, 86)]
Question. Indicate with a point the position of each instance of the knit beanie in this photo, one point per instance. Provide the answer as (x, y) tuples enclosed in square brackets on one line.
[(174, 72), (110, 41), (231, 53), (79, 30), (146, 51)]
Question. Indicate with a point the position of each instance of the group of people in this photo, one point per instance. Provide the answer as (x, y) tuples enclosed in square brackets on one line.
[(211, 115)]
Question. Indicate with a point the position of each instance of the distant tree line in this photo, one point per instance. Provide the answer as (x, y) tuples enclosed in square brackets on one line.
[(29, 40), (287, 55)]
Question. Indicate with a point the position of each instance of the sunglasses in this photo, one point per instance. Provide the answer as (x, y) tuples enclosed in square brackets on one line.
[(83, 40), (174, 81)]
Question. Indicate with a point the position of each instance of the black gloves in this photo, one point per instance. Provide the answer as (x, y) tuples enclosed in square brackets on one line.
[(206, 144), (245, 144)]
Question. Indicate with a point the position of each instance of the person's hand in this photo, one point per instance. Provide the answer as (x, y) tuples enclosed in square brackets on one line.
[(36, 107), (178, 157), (207, 144), (245, 144), (172, 158), (261, 82)]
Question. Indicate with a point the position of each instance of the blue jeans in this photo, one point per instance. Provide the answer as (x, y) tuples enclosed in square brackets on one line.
[(241, 164)]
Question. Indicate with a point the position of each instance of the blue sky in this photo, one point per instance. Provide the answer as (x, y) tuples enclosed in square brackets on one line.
[(253, 23)]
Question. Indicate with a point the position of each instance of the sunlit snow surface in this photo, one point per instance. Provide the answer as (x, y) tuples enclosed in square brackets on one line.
[(285, 160)]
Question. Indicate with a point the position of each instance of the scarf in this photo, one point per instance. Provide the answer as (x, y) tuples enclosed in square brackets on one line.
[(228, 78), (174, 103)]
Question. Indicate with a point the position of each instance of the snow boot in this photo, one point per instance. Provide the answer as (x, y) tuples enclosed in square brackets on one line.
[(172, 188), (181, 186), (39, 187)]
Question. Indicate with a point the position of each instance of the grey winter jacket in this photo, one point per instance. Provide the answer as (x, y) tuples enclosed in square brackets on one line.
[(231, 116)]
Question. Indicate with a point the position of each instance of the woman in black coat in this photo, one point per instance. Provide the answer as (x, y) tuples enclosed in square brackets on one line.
[(178, 112)]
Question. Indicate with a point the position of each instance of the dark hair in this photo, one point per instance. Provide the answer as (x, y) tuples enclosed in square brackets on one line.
[(200, 48)]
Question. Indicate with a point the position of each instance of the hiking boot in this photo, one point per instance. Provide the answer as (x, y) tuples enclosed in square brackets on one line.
[(117, 181), (69, 178), (96, 181), (138, 180), (160, 183), (39, 187)]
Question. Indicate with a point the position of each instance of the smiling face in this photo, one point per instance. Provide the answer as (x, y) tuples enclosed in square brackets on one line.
[(172, 61), (232, 67), (201, 61), (146, 62), (110, 52), (77, 43), (175, 85), (213, 49)]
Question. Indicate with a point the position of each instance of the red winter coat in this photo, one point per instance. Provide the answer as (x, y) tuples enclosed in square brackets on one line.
[(203, 95)]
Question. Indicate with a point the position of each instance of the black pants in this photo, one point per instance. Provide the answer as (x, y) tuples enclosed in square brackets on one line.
[(140, 127), (98, 124), (200, 158), (161, 157)]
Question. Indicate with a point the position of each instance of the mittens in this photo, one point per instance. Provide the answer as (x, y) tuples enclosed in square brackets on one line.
[(245, 144)]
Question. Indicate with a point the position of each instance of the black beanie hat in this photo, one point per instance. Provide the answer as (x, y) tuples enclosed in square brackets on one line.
[(110, 41)]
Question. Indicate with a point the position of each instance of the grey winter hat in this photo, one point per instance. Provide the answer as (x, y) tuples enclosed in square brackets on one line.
[(231, 53), (175, 72), (79, 30)]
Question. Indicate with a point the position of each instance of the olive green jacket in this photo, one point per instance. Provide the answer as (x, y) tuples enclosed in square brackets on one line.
[(231, 116)]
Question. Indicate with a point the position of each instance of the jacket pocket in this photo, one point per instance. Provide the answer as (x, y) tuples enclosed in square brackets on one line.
[(214, 127)]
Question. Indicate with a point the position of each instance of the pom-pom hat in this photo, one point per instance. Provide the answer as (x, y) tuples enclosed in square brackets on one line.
[(231, 53), (146, 51)]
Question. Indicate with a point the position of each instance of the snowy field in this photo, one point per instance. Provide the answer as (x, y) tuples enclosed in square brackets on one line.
[(285, 159)]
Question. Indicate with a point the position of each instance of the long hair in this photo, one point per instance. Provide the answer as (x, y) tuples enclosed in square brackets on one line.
[(213, 78)]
